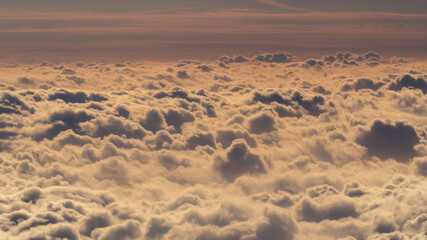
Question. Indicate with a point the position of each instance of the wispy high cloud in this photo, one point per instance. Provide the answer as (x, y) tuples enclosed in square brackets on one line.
[(283, 6)]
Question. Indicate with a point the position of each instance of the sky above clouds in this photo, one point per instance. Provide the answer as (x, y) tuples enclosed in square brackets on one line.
[(170, 30), (398, 6)]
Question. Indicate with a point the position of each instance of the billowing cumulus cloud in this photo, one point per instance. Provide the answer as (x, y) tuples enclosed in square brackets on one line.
[(362, 83), (390, 141), (408, 81), (12, 104), (77, 97), (239, 160), (262, 123), (242, 147)]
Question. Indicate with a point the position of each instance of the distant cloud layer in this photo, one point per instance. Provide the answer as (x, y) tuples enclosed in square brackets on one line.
[(265, 147), (206, 33)]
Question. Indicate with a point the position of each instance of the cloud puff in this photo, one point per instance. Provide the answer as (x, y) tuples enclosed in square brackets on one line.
[(62, 121), (275, 58), (94, 221), (313, 106), (25, 81), (363, 83), (390, 141), (177, 118), (171, 162), (227, 136), (262, 123), (205, 68), (178, 93), (278, 226), (311, 211), (64, 231), (201, 139), (156, 228), (278, 57), (31, 195), (102, 127), (76, 97), (272, 97), (408, 81), (130, 229), (349, 59), (154, 121), (77, 80), (239, 160), (10, 103), (182, 74), (421, 165), (237, 59)]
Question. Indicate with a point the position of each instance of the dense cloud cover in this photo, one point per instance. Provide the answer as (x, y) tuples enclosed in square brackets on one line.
[(263, 147)]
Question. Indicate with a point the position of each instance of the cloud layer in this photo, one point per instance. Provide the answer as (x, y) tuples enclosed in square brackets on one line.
[(206, 30), (243, 147)]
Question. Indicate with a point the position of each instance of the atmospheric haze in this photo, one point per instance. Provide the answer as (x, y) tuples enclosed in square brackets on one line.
[(213, 120)]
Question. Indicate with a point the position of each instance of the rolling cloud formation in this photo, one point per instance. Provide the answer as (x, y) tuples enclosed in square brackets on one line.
[(242, 147)]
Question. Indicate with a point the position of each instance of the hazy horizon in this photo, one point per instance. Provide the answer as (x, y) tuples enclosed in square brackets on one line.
[(171, 30)]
